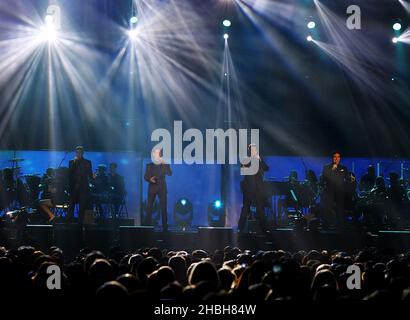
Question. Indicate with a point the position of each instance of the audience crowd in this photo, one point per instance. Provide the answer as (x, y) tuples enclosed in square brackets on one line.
[(230, 275)]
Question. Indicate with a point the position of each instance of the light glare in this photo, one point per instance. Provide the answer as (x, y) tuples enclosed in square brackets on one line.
[(218, 204), (133, 34), (311, 24), (397, 26), (227, 23), (49, 20)]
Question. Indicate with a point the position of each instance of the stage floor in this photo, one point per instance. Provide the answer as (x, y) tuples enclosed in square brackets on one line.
[(71, 238)]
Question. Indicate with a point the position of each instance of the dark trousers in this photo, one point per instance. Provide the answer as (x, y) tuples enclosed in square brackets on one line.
[(162, 195), (246, 210), (82, 198), (334, 204)]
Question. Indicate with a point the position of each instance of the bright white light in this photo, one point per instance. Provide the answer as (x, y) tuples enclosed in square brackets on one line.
[(395, 40), (311, 24), (49, 20), (48, 34), (397, 26), (309, 38), (134, 20), (133, 34), (226, 36), (227, 23)]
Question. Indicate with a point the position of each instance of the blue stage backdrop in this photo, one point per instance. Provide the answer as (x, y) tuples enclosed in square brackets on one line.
[(201, 184)]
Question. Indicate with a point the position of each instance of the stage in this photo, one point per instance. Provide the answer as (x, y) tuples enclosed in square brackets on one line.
[(71, 239)]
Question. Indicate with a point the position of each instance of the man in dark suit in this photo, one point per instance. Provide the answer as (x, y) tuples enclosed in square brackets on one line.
[(335, 178), (80, 174), (155, 175), (253, 190)]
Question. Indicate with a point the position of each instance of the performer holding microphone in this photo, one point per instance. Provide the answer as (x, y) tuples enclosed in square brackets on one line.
[(155, 175), (253, 190), (335, 178), (80, 174)]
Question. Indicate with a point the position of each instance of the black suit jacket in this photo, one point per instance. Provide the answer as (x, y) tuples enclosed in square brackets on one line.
[(335, 179), (80, 173), (254, 183), (159, 171)]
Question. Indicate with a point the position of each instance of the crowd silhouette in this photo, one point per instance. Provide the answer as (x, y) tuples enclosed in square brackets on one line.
[(228, 275)]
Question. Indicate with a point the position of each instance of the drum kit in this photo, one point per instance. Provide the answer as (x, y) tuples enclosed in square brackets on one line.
[(19, 190)]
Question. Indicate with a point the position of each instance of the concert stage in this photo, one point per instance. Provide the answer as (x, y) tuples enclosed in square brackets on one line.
[(71, 239)]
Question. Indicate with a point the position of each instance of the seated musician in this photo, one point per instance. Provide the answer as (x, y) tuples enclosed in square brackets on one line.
[(374, 209), (48, 196), (100, 188), (311, 187), (292, 198), (368, 180), (116, 189)]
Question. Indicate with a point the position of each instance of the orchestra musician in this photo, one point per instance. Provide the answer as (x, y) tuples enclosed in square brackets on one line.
[(368, 180), (253, 190), (80, 174), (293, 196), (116, 189), (155, 174), (100, 188), (48, 197)]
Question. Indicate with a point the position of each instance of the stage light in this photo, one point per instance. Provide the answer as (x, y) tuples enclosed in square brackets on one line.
[(183, 213), (309, 38), (395, 40), (311, 24), (397, 26), (216, 214), (134, 20), (133, 34), (48, 32), (49, 19), (226, 36), (227, 23)]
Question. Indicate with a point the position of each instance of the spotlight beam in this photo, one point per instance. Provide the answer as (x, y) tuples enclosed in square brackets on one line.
[(406, 5)]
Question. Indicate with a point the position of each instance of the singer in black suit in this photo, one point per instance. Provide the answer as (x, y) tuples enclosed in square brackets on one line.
[(80, 174), (335, 178), (254, 193), (155, 174)]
